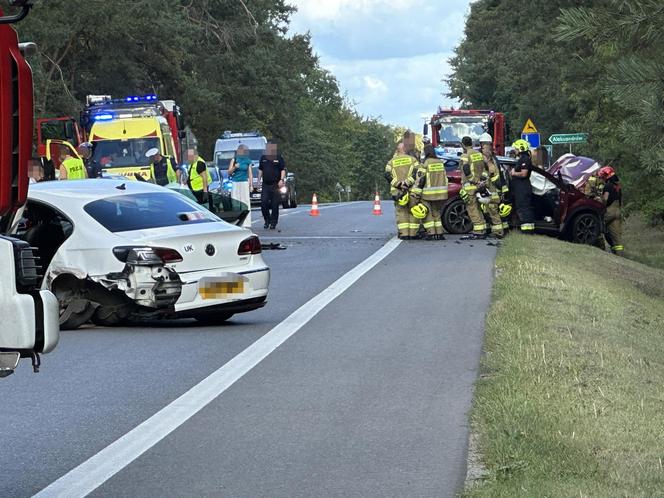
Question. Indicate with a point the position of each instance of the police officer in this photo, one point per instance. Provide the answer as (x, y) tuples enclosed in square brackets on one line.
[(431, 187), (199, 177), (271, 175), (163, 169), (521, 187), (612, 198), (71, 168), (92, 168), (472, 179)]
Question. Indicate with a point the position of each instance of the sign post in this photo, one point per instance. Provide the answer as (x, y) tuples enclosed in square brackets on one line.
[(530, 134)]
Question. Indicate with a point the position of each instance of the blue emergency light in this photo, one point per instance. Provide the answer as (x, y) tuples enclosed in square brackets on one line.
[(144, 98), (103, 117)]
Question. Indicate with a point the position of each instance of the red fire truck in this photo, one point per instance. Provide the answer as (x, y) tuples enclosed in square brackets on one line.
[(449, 126), (30, 315)]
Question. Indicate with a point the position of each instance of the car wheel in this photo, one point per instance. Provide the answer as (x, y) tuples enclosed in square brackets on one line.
[(455, 218), (74, 310), (285, 204), (586, 229), (110, 316), (213, 319), (293, 201)]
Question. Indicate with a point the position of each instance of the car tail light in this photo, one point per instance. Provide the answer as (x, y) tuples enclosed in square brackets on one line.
[(147, 256), (252, 245)]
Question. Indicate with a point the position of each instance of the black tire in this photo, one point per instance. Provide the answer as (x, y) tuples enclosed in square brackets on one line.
[(110, 316), (293, 200), (74, 310), (284, 203), (455, 217), (213, 319), (585, 229)]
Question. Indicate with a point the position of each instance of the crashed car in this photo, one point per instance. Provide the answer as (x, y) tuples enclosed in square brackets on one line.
[(561, 209), (116, 250)]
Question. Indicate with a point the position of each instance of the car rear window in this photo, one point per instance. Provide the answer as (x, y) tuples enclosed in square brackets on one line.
[(148, 210)]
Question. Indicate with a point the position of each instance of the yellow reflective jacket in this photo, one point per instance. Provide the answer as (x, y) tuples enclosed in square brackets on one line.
[(472, 168), (432, 180), (75, 168), (195, 179), (401, 169)]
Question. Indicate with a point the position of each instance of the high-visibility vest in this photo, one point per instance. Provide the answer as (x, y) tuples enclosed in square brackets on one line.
[(435, 180), (75, 168), (472, 167), (171, 176), (195, 179), (400, 169)]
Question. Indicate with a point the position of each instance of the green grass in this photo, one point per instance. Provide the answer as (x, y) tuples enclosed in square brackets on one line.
[(570, 400), (644, 243)]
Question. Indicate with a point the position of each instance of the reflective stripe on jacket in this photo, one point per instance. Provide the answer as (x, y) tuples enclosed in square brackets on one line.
[(401, 168), (435, 180)]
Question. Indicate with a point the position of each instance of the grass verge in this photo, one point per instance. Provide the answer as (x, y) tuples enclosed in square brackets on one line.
[(570, 400), (644, 243)]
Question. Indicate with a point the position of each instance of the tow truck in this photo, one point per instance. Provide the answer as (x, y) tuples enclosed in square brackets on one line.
[(30, 315), (449, 126)]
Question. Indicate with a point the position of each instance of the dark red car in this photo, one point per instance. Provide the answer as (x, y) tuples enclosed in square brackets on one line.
[(561, 209)]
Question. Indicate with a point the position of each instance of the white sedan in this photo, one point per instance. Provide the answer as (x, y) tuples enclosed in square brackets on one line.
[(113, 250)]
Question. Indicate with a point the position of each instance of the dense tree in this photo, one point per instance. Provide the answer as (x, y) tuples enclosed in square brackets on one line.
[(230, 64)]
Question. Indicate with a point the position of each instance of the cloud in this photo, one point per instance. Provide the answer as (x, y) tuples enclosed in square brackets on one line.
[(388, 55)]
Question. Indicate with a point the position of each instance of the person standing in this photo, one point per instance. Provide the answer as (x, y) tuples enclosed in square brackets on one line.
[(199, 177), (271, 175), (493, 184), (521, 187), (71, 168), (163, 169), (612, 198), (239, 171), (472, 170), (431, 186), (92, 168), (400, 172)]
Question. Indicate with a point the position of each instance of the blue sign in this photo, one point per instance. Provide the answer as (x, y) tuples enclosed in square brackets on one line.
[(532, 138)]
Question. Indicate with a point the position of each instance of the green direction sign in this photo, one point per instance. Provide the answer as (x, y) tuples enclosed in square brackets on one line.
[(569, 138)]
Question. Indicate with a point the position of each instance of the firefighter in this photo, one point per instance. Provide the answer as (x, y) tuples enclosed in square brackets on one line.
[(163, 169), (521, 188), (431, 187), (472, 168), (594, 187), (493, 184), (199, 177), (612, 198), (399, 172), (71, 168)]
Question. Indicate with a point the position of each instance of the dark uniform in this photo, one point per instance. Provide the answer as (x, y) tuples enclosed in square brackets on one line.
[(522, 191), (270, 195), (162, 174)]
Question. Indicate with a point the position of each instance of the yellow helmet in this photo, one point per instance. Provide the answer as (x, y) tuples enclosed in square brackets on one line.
[(404, 199), (521, 145), (419, 211), (505, 210)]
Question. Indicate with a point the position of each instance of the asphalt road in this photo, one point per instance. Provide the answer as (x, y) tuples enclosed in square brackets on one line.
[(369, 398)]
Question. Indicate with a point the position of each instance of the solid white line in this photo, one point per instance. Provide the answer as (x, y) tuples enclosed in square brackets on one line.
[(95, 471), (302, 208), (320, 237)]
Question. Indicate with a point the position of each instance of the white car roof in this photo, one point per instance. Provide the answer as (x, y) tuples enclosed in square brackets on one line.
[(81, 192)]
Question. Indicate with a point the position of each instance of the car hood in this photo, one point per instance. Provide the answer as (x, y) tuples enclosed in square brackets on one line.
[(575, 170), (203, 246)]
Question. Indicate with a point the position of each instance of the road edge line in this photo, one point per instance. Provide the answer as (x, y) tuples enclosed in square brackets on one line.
[(95, 471)]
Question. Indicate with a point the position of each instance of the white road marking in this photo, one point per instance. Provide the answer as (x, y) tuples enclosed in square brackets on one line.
[(323, 237), (302, 208), (98, 469)]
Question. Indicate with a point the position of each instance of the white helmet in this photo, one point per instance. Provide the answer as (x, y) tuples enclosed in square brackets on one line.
[(486, 139)]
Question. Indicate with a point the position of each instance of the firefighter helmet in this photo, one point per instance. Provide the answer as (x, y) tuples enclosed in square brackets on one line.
[(404, 199), (505, 210), (606, 172), (483, 198), (419, 211), (521, 145), (486, 139)]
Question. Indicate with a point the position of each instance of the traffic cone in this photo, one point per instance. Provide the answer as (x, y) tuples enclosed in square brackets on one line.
[(314, 207), (377, 210)]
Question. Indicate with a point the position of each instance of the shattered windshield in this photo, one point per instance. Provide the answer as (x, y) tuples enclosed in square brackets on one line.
[(119, 153)]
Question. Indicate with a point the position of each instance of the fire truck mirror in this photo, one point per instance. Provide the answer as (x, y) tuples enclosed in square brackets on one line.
[(27, 49)]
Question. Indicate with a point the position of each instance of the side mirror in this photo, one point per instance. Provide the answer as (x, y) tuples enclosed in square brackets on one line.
[(425, 131)]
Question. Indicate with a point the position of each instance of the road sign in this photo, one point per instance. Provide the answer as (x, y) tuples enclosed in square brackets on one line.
[(569, 138), (532, 138), (529, 127)]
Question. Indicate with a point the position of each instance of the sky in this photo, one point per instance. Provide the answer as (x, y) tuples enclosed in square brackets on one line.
[(390, 56)]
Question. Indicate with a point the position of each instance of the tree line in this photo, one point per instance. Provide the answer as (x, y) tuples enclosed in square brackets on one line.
[(230, 65), (594, 68)]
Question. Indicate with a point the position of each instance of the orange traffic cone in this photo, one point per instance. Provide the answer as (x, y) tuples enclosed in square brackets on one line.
[(377, 210), (314, 207)]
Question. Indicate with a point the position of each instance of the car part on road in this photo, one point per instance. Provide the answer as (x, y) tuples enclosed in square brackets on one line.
[(110, 316)]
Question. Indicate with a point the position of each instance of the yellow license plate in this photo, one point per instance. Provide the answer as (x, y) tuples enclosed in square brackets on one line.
[(220, 288)]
